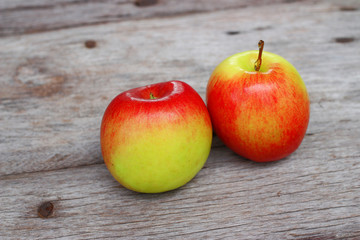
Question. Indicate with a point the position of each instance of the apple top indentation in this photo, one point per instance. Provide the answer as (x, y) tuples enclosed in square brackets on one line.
[(155, 92)]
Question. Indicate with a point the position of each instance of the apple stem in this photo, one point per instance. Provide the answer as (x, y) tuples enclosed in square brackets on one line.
[(152, 96), (258, 61)]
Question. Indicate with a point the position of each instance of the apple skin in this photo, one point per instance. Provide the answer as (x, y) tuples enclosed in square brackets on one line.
[(156, 145), (261, 115)]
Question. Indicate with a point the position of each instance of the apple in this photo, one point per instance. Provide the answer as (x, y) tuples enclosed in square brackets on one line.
[(259, 105), (156, 138)]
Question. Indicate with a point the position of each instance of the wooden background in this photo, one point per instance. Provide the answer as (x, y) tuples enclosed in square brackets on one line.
[(62, 61)]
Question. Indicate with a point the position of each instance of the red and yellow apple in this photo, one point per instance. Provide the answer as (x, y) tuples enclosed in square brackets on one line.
[(156, 138), (260, 114)]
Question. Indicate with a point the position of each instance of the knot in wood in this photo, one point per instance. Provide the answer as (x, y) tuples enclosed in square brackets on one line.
[(344, 39), (145, 3), (46, 209), (90, 44)]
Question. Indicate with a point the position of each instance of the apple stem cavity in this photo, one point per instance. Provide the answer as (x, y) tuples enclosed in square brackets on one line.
[(152, 96), (258, 61)]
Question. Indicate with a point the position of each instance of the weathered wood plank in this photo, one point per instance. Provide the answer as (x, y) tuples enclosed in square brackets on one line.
[(54, 89), (19, 17), (315, 196)]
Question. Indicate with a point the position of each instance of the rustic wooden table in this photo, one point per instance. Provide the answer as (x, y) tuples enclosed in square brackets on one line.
[(63, 61)]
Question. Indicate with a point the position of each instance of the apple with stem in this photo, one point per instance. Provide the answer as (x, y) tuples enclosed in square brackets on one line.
[(259, 105), (156, 138)]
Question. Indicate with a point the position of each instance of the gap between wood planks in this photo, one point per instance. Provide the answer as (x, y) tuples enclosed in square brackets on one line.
[(11, 175), (107, 12), (7, 176), (97, 23), (217, 144)]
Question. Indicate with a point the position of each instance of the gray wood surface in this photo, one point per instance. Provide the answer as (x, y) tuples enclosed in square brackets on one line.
[(55, 88), (22, 17)]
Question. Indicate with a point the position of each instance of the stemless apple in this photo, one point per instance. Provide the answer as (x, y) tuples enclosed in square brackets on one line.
[(259, 105), (156, 138)]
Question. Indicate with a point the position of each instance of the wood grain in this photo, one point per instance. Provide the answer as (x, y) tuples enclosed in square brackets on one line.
[(55, 86), (22, 17), (55, 89), (282, 200)]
